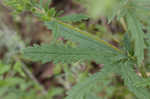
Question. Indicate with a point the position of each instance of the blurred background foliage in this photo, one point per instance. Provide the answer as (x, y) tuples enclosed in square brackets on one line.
[(23, 79)]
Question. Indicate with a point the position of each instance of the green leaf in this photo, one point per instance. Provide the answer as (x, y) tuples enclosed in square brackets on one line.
[(11, 81), (118, 11), (130, 78), (11, 96), (19, 5), (18, 68), (100, 7), (127, 44), (92, 96), (61, 53), (4, 68), (84, 39), (137, 35), (73, 18), (80, 90), (142, 1), (143, 83)]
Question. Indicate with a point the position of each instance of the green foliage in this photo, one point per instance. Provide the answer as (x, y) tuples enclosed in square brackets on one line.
[(130, 78), (74, 18), (91, 48), (65, 54), (127, 45), (133, 12), (9, 82), (19, 5), (137, 34), (84, 39), (143, 83), (90, 84), (16, 87), (100, 7)]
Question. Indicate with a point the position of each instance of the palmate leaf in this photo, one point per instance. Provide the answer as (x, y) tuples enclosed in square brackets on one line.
[(137, 35), (73, 18), (89, 48), (61, 53), (80, 90), (130, 79)]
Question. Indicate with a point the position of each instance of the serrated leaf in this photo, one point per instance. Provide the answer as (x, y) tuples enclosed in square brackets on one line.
[(83, 38), (61, 53), (130, 78), (80, 90), (73, 18), (137, 35)]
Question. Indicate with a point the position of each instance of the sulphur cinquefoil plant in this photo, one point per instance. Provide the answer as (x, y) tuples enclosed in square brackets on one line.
[(134, 17)]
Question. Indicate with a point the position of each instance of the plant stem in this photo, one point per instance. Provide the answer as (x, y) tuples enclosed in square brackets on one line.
[(31, 76)]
